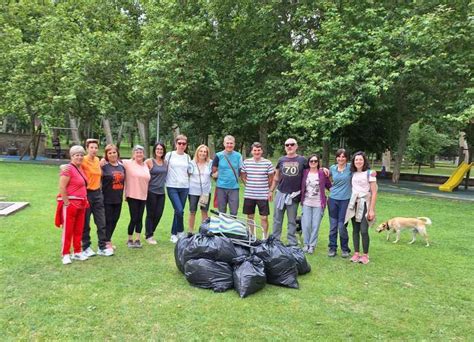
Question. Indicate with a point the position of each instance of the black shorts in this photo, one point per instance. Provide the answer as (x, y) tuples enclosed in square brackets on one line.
[(194, 202), (250, 204)]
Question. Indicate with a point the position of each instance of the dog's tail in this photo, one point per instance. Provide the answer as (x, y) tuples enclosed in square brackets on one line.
[(426, 219)]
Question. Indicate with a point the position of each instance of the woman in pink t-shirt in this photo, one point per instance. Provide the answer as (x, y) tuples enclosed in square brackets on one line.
[(137, 177), (72, 205), (361, 208)]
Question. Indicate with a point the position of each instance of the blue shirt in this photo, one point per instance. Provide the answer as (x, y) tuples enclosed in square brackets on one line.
[(341, 183), (226, 178)]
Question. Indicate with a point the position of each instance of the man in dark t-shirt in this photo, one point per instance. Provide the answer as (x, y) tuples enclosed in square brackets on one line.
[(287, 181)]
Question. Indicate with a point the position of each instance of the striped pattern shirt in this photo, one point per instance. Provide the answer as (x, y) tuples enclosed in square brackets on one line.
[(257, 174)]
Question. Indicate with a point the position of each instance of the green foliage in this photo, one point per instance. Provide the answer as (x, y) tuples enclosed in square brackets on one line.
[(424, 142)]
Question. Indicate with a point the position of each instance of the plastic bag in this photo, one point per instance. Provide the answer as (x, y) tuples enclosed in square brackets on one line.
[(211, 247), (179, 249), (302, 264), (241, 250), (249, 275), (280, 265), (209, 274)]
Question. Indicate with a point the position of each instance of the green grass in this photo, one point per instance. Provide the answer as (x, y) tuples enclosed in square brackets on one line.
[(405, 293)]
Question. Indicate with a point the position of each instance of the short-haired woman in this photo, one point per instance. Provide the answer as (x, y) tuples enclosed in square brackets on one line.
[(72, 205), (177, 183), (113, 183), (199, 185), (137, 177), (361, 208), (313, 198), (155, 202)]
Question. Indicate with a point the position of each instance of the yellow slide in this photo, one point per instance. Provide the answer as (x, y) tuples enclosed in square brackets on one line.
[(456, 178)]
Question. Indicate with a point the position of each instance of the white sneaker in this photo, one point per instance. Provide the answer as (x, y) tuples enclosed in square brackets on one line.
[(67, 259), (151, 241), (105, 252), (174, 239), (180, 235), (79, 256), (89, 252)]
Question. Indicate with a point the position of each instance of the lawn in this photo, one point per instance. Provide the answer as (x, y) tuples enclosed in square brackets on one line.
[(407, 292)]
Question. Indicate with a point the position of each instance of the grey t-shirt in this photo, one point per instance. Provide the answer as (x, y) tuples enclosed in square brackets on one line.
[(291, 173)]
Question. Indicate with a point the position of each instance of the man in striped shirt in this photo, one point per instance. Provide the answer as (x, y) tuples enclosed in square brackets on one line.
[(257, 175)]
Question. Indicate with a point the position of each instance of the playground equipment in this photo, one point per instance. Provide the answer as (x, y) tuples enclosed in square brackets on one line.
[(456, 178)]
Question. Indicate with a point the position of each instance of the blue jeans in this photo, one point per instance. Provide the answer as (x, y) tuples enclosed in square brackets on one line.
[(178, 200), (337, 214), (310, 222)]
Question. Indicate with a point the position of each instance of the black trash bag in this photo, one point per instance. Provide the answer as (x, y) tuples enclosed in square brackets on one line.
[(179, 249), (280, 265), (209, 274), (211, 247), (204, 227), (302, 264), (241, 250), (249, 275)]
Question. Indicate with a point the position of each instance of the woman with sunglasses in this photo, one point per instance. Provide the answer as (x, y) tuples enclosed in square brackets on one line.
[(313, 198), (155, 202), (337, 204), (177, 183)]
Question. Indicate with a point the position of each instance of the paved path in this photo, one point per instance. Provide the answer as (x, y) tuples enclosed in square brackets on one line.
[(425, 189)]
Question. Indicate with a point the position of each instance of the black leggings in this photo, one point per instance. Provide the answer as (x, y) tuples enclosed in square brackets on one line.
[(155, 204), (136, 208), (112, 215), (361, 229)]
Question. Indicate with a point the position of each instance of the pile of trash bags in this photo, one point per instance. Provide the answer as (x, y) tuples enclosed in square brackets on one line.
[(214, 262)]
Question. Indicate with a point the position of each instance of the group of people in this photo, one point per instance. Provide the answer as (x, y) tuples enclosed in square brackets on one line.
[(89, 186)]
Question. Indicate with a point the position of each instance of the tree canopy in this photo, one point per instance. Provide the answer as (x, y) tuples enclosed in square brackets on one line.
[(322, 71)]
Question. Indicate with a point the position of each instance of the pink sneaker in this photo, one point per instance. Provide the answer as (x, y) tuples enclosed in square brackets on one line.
[(364, 259), (355, 257)]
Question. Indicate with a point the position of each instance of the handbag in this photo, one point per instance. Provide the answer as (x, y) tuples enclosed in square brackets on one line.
[(204, 198)]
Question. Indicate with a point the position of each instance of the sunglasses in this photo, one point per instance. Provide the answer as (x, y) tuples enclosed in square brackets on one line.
[(182, 143), (313, 161), (290, 144)]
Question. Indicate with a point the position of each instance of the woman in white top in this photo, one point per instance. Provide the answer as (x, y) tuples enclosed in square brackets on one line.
[(177, 183), (200, 185), (361, 208)]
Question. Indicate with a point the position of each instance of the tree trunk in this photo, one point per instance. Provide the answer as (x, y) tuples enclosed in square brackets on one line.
[(419, 168), (76, 139), (143, 127), (4, 125), (326, 148), (263, 136), (176, 131), (210, 144), (108, 132), (119, 135), (402, 144), (37, 142)]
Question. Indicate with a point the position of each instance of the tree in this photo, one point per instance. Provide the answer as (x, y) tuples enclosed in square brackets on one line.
[(424, 142)]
